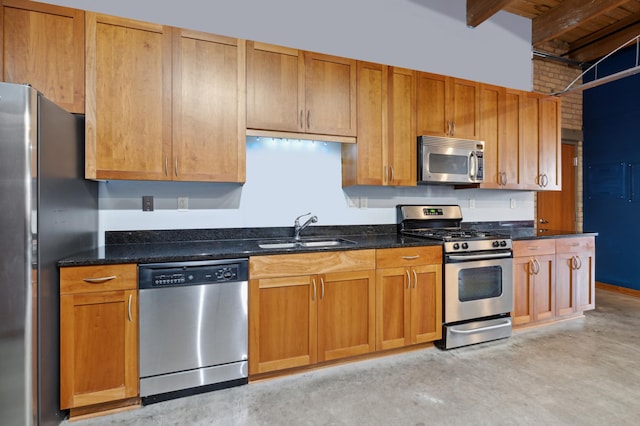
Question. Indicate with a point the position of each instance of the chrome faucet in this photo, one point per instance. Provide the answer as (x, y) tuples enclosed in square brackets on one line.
[(297, 228)]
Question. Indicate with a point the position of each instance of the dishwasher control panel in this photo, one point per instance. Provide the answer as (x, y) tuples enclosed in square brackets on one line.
[(191, 273)]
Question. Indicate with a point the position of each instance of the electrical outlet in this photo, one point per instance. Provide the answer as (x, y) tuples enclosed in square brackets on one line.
[(472, 203), (147, 203), (513, 203), (183, 203)]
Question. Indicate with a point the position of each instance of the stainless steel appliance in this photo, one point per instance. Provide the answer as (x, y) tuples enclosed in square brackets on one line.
[(49, 212), (450, 160), (193, 327), (477, 274)]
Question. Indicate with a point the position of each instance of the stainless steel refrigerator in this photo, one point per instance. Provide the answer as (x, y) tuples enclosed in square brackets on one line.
[(48, 212)]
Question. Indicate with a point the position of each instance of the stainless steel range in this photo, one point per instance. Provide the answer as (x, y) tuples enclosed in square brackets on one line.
[(477, 274)]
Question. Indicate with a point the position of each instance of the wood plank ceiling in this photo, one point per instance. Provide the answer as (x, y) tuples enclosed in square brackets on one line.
[(579, 30)]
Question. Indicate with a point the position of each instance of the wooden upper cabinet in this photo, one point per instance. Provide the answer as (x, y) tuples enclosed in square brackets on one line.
[(447, 106), (208, 107), (275, 87), (163, 103), (386, 150), (365, 163), (330, 95), (541, 142), (402, 151), (128, 118), (550, 144), (43, 45), (293, 91)]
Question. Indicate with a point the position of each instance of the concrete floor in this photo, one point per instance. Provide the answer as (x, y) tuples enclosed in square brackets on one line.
[(580, 372)]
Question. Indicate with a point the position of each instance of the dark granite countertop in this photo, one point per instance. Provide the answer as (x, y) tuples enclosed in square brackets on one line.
[(207, 244)]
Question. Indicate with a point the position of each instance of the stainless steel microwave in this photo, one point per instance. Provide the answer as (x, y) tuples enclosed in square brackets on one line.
[(450, 160)]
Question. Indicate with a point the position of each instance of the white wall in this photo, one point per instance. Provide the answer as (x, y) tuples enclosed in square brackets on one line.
[(288, 179)]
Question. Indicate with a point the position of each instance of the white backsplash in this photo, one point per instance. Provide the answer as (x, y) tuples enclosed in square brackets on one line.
[(287, 178)]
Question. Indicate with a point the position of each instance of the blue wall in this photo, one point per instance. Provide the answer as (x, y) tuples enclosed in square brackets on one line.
[(611, 116)]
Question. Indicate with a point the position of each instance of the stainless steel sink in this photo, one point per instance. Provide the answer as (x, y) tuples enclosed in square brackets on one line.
[(304, 243)]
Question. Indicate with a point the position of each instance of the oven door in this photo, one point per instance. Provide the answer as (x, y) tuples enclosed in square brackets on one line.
[(477, 285)]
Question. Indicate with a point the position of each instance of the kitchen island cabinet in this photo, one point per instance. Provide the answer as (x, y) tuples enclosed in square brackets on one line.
[(43, 45), (171, 107), (575, 275), (408, 296), (309, 308), (533, 281), (315, 94), (98, 337), (385, 153)]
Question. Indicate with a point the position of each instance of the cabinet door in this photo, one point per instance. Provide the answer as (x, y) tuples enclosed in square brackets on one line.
[(565, 284), (330, 95), (98, 347), (364, 162), (346, 314), (426, 303), (585, 280), (511, 161), (128, 82), (44, 46), (282, 323), (492, 129), (465, 108), (522, 290), (544, 288), (393, 308), (550, 144), (208, 107), (275, 88), (431, 105), (530, 130), (402, 137)]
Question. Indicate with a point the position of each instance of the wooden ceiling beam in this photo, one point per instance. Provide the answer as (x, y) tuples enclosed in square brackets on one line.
[(566, 16), (603, 46), (479, 11), (603, 33)]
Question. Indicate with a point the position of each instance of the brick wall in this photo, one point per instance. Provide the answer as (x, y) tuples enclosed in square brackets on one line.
[(550, 76)]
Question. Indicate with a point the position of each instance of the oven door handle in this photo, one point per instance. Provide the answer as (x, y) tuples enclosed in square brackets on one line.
[(475, 330), (479, 256)]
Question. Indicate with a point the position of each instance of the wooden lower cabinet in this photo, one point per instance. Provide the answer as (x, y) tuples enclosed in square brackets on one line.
[(553, 278), (408, 296), (98, 335), (575, 275), (298, 319)]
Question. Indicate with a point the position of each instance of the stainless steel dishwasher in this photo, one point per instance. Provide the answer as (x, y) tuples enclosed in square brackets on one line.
[(193, 327)]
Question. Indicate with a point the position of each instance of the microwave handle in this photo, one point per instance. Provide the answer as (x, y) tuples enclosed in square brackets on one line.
[(473, 165)]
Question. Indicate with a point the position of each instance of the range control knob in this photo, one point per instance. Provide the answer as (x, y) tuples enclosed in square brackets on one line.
[(496, 244), (465, 246), (456, 246), (503, 243)]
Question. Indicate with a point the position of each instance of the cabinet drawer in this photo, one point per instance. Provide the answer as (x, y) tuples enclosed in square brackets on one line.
[(568, 245), (408, 256), (534, 247), (286, 265), (88, 279)]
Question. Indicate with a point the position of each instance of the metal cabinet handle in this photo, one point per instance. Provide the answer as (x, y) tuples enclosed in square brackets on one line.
[(415, 279), (546, 180), (322, 283), (175, 170), (578, 262), (99, 280), (535, 261), (453, 124), (166, 165), (417, 256), (543, 221), (313, 281), (408, 279), (386, 174), (504, 178), (301, 119), (129, 308), (532, 269), (308, 119), (393, 174)]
